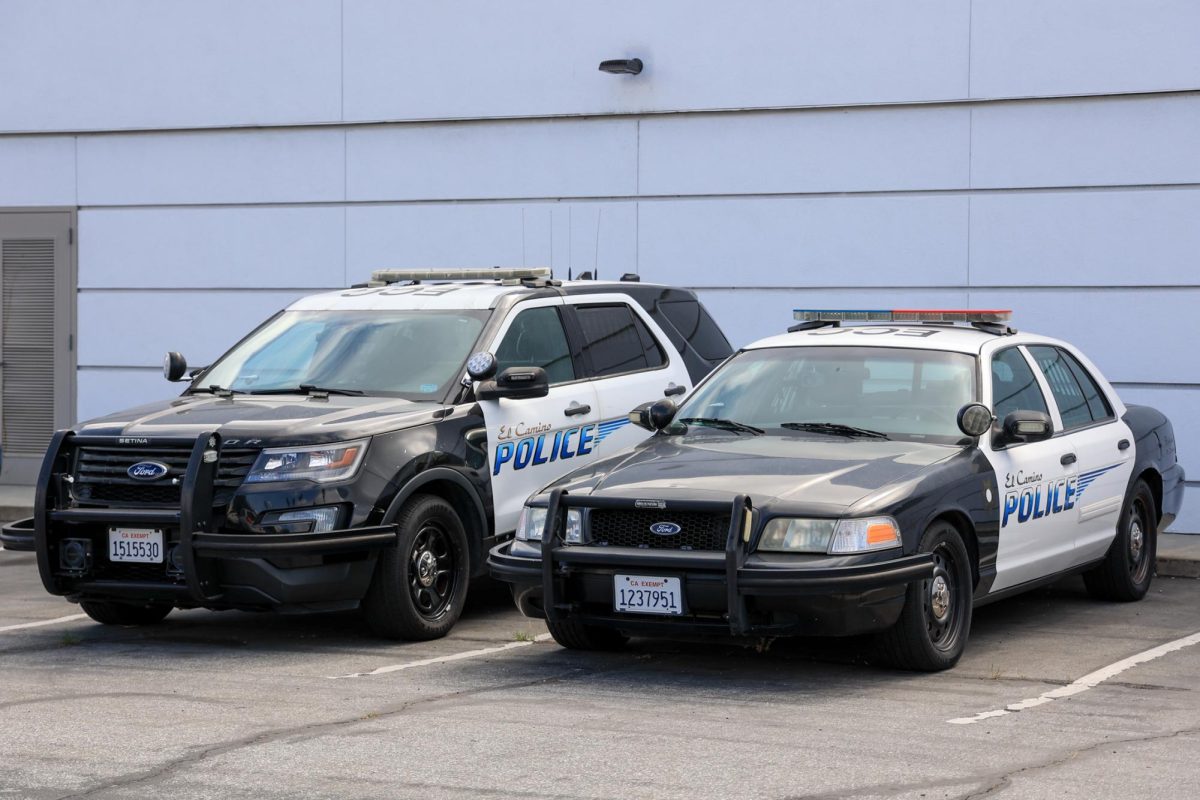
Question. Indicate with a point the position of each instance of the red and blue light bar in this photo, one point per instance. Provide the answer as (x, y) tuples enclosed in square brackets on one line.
[(986, 315)]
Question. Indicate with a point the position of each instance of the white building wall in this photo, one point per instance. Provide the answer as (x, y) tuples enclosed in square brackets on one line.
[(227, 157)]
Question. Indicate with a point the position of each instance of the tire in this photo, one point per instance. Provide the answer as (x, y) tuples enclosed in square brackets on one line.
[(1128, 568), (926, 638), (420, 586), (107, 612), (577, 636)]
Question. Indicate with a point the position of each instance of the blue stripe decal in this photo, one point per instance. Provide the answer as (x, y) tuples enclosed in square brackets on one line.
[(1087, 478), (605, 428)]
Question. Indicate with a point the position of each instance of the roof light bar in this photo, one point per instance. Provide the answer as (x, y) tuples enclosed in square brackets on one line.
[(903, 315), (460, 274)]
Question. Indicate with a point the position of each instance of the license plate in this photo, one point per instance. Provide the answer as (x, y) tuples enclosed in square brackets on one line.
[(138, 545), (644, 594)]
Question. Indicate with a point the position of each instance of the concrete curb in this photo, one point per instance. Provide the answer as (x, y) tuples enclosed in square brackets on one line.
[(1178, 567)]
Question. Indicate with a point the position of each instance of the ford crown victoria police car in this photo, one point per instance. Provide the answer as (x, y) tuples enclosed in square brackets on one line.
[(878, 478), (343, 453)]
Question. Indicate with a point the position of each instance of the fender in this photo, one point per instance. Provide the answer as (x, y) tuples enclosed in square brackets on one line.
[(432, 474), (1154, 448)]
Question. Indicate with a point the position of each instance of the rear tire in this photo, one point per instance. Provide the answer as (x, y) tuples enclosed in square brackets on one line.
[(1128, 568), (420, 585), (577, 636), (932, 631), (107, 612)]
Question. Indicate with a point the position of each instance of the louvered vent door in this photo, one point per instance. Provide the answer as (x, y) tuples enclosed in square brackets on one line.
[(34, 326)]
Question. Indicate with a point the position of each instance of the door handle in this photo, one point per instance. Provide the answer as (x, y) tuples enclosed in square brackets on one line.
[(673, 390), (1123, 444), (575, 409), (1068, 458)]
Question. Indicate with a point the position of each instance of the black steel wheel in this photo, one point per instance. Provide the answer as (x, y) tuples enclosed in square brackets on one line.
[(107, 612), (933, 628), (420, 586), (1128, 568)]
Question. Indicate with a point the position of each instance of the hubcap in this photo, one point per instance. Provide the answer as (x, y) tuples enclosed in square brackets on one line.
[(1137, 539), (939, 598), (426, 568)]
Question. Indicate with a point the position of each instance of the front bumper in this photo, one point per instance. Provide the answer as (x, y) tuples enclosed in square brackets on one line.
[(212, 568), (734, 592)]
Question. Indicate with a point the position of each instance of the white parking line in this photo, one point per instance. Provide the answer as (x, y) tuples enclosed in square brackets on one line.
[(39, 624), (425, 662), (1089, 681)]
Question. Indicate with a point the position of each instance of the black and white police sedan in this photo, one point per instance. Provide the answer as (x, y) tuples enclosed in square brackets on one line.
[(836, 480)]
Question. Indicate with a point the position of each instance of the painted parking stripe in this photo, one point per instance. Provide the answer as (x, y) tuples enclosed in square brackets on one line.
[(1089, 681), (426, 662), (41, 623)]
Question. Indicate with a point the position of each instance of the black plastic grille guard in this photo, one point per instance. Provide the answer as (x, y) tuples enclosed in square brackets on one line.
[(735, 547)]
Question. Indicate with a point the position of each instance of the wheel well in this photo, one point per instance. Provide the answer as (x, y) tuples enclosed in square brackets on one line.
[(465, 505), (962, 523), (1154, 481)]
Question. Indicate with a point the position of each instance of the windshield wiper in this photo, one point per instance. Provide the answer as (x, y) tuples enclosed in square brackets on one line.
[(723, 424), (219, 391), (308, 388), (835, 428)]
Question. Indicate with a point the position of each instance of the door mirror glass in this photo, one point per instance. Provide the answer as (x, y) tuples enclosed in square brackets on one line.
[(975, 419), (481, 366), (515, 383), (174, 366), (1027, 426)]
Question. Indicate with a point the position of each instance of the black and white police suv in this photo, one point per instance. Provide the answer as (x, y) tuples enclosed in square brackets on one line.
[(353, 450), (836, 480)]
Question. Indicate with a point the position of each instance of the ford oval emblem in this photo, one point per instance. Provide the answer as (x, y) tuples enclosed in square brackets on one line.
[(148, 470), (665, 529)]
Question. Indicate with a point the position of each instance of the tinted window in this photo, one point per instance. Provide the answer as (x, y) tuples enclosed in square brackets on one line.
[(1078, 398), (536, 339), (617, 341), (694, 323), (1014, 388)]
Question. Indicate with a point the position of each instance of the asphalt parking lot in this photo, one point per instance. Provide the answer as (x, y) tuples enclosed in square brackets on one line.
[(246, 705)]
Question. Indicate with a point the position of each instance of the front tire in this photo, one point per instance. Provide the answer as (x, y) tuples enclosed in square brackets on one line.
[(1128, 568), (574, 635), (932, 631), (420, 586), (107, 612)]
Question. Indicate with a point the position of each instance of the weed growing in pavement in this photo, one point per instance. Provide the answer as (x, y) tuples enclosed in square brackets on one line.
[(70, 640), (523, 636)]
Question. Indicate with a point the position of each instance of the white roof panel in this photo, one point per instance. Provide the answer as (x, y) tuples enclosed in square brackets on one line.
[(959, 339)]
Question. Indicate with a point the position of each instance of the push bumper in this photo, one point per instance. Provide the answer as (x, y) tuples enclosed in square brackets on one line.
[(734, 592)]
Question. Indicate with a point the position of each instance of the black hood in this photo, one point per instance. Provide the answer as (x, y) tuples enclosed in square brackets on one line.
[(820, 474), (275, 419)]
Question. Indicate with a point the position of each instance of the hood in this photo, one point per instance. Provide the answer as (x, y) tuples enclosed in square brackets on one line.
[(820, 474), (273, 419)]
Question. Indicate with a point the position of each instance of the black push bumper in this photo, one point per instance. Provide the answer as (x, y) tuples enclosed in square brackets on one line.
[(216, 568), (734, 592)]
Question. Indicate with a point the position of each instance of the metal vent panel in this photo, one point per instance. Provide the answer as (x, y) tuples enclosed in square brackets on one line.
[(27, 344)]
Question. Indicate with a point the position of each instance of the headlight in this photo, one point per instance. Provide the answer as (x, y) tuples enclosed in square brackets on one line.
[(533, 521), (322, 463), (837, 537)]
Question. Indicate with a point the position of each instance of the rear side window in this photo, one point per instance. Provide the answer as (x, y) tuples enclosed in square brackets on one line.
[(695, 325), (536, 339), (1079, 399), (616, 340), (1014, 388)]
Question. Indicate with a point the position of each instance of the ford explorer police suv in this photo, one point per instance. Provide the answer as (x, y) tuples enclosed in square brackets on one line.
[(344, 453), (880, 478)]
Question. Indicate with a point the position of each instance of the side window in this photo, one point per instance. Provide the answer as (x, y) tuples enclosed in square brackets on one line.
[(1079, 399), (536, 339), (616, 340), (1014, 388), (695, 325)]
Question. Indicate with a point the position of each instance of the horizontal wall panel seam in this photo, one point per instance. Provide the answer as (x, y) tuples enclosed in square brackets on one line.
[(1182, 91)]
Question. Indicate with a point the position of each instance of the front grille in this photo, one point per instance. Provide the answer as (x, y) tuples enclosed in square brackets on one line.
[(698, 530), (101, 475)]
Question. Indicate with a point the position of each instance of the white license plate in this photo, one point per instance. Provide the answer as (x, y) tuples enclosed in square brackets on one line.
[(138, 545), (644, 594)]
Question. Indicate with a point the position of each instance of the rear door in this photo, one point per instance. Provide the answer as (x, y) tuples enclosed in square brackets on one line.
[(629, 360)]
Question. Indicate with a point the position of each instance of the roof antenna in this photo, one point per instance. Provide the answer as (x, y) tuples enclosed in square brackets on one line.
[(596, 254)]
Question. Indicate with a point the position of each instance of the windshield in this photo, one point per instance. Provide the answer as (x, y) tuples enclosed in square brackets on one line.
[(411, 354), (903, 394)]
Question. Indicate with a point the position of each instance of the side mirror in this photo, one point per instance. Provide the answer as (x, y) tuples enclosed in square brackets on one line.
[(174, 366), (975, 419), (654, 416), (481, 366), (515, 383), (1026, 426)]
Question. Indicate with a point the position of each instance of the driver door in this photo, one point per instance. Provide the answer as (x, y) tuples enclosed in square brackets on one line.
[(532, 441)]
